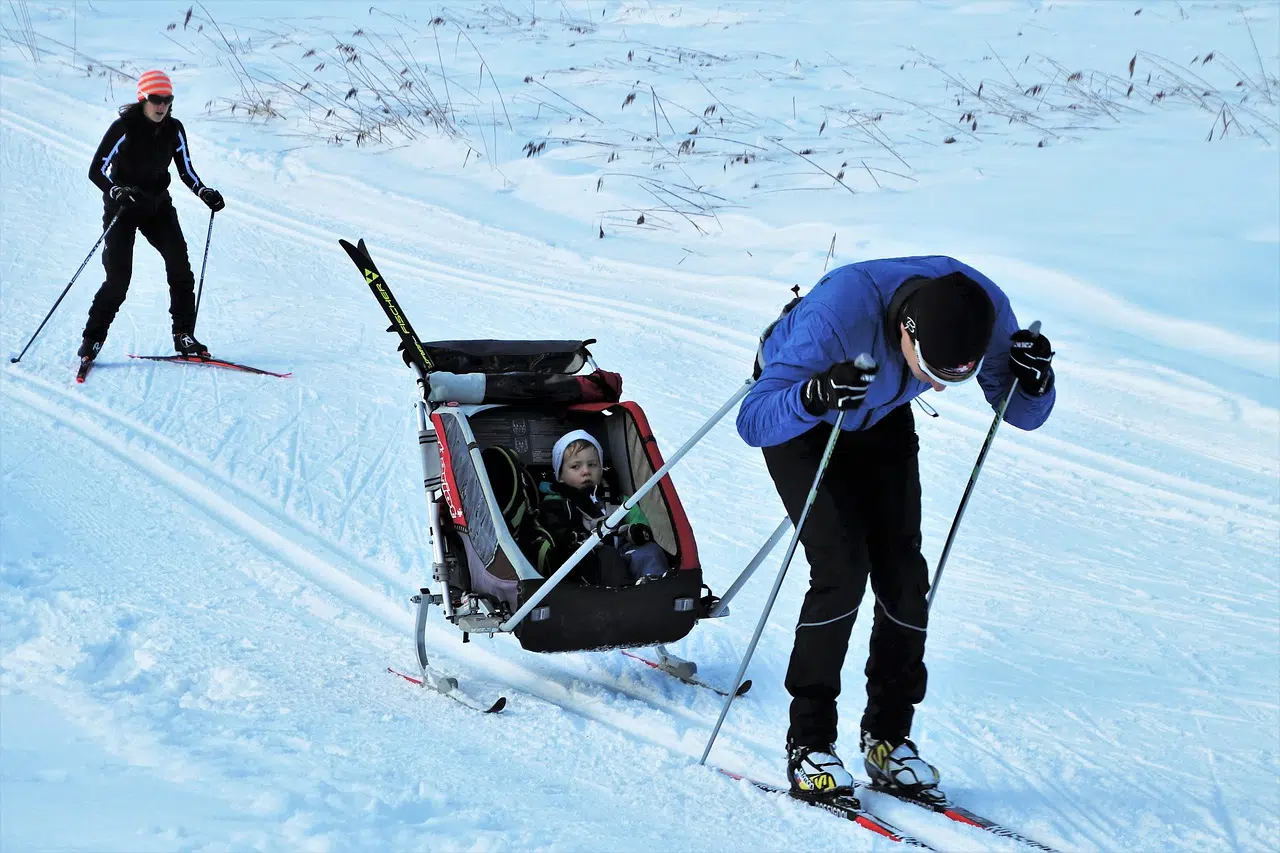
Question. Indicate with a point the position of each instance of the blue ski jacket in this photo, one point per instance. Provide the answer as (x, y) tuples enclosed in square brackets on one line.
[(845, 314)]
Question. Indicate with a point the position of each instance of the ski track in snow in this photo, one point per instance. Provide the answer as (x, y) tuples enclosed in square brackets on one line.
[(302, 553), (327, 576), (200, 681)]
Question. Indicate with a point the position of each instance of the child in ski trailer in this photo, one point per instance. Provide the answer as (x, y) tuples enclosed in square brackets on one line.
[(131, 167), (572, 506), (924, 322)]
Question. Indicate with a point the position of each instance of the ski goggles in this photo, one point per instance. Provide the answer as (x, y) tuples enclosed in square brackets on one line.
[(947, 375), (160, 99)]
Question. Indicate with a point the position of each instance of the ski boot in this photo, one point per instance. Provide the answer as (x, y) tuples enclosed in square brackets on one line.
[(188, 347), (816, 771), (895, 766), (88, 351)]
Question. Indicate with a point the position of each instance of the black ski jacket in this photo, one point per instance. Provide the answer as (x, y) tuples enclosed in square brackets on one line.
[(136, 152)]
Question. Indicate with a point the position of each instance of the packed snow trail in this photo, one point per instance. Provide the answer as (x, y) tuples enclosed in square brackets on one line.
[(204, 575), (180, 679)]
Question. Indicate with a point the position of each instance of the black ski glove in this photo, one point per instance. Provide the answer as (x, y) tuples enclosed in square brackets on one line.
[(843, 386), (1030, 355), (636, 533), (213, 198), (125, 196)]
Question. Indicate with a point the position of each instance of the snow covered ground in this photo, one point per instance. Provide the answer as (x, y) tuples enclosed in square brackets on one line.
[(203, 575)]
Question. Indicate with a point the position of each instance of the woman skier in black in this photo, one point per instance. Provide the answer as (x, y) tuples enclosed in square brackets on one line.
[(131, 167)]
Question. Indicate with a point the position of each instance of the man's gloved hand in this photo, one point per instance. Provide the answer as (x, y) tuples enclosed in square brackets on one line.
[(1030, 355), (125, 196), (213, 198), (842, 386)]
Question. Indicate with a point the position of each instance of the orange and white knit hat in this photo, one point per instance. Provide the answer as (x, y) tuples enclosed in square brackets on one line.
[(154, 83)]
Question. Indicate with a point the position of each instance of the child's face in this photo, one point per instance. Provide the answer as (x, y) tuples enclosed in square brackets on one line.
[(581, 469)]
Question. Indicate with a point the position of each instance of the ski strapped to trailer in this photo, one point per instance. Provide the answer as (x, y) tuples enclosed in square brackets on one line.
[(447, 686), (212, 362), (411, 348), (689, 677), (846, 806), (950, 810)]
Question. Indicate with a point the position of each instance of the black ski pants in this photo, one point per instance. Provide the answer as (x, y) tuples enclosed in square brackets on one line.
[(158, 222), (865, 522)]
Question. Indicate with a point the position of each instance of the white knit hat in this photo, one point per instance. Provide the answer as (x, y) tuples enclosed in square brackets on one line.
[(557, 452)]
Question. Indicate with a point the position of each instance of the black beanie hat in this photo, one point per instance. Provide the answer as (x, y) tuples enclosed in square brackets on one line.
[(953, 319)]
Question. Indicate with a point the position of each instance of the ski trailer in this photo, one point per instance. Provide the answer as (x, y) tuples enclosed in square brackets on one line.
[(488, 413)]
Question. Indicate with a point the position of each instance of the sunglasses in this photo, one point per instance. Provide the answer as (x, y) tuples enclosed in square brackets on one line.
[(947, 375), (160, 99)]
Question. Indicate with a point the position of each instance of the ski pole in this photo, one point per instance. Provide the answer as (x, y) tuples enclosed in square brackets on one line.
[(203, 264), (83, 264), (777, 584), (973, 479)]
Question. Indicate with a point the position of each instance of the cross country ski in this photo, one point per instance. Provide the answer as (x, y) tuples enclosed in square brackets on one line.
[(846, 806), (211, 362), (942, 805)]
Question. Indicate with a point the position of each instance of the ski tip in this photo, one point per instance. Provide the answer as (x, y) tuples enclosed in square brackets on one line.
[(408, 678), (743, 688), (497, 707)]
